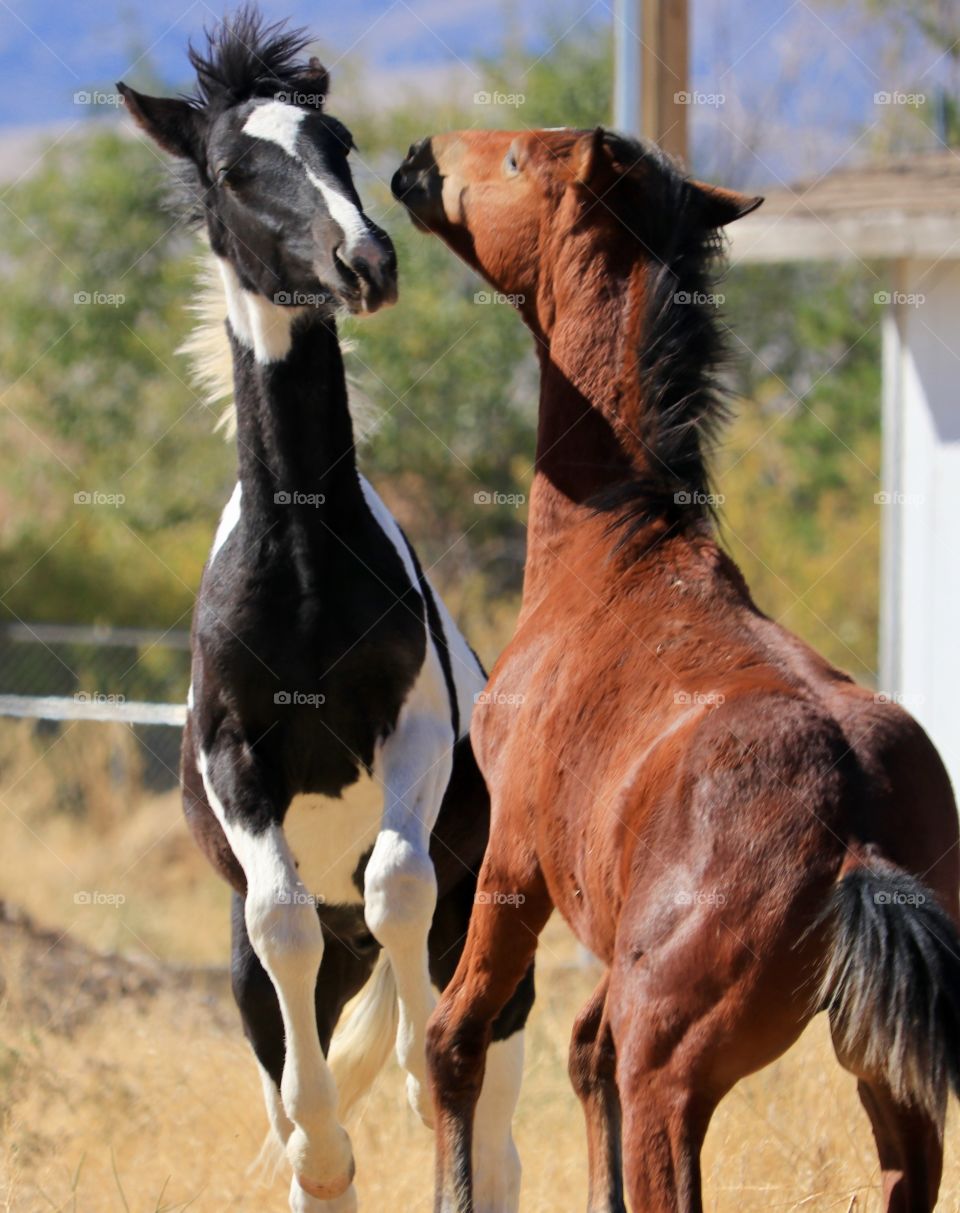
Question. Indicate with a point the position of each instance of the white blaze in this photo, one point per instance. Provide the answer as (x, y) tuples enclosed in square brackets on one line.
[(277, 122), (280, 124)]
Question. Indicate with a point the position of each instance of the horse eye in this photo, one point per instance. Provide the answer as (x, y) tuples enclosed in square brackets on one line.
[(230, 175)]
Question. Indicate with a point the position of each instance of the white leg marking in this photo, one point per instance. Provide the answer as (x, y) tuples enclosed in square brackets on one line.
[(400, 886), (496, 1163), (281, 1127), (280, 1122), (285, 935)]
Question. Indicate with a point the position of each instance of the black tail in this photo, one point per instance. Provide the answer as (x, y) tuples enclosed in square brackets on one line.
[(892, 985)]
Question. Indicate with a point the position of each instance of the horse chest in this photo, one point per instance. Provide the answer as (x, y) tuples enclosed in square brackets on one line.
[(330, 837)]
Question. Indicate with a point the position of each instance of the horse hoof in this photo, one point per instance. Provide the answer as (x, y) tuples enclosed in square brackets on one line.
[(302, 1202), (328, 1191)]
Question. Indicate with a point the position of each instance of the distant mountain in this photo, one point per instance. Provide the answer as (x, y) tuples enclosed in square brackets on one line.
[(779, 89)]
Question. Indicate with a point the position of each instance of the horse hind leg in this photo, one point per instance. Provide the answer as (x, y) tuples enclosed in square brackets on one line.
[(892, 988), (910, 1148), (592, 1069), (693, 1009)]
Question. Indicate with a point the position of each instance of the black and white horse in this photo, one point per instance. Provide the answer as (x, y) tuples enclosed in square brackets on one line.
[(327, 771)]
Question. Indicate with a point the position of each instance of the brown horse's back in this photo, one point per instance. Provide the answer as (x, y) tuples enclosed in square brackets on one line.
[(736, 730)]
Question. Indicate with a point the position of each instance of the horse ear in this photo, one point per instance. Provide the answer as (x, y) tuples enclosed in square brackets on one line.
[(169, 121), (587, 155), (314, 83), (720, 206)]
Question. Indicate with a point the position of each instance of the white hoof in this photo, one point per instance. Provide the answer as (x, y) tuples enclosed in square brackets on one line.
[(323, 1170), (302, 1202)]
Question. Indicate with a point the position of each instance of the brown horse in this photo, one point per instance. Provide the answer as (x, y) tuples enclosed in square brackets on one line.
[(741, 833)]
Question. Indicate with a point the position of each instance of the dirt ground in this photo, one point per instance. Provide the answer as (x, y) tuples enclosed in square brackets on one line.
[(126, 1085)]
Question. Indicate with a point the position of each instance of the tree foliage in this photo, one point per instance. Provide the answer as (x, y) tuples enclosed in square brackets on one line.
[(96, 400)]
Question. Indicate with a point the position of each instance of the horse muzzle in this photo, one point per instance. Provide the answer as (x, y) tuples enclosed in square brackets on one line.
[(417, 183)]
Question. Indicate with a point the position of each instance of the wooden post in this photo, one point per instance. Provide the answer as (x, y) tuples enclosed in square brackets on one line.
[(666, 97)]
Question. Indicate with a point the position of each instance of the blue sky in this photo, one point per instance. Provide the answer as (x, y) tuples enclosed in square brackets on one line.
[(798, 77), (50, 48)]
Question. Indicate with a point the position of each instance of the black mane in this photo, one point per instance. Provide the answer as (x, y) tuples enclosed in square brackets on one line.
[(685, 404), (245, 58)]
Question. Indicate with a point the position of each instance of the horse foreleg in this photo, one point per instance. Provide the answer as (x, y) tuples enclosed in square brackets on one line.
[(285, 935), (512, 907), (400, 885)]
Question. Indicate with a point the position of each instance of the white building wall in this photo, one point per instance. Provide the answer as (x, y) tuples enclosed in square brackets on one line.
[(920, 642)]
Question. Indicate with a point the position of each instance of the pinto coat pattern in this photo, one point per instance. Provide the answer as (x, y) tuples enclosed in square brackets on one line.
[(326, 767)]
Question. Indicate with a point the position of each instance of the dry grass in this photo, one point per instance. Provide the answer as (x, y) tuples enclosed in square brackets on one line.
[(126, 1086)]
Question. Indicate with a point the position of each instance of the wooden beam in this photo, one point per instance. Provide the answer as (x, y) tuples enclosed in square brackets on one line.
[(665, 98)]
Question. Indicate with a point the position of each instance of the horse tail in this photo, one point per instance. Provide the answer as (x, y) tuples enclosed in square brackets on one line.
[(361, 1046), (891, 984)]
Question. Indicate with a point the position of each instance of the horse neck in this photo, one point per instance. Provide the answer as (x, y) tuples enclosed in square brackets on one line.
[(598, 436), (591, 405), (295, 448)]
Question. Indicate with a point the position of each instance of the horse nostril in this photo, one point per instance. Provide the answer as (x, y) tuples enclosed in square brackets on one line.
[(415, 153), (376, 274), (362, 269)]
